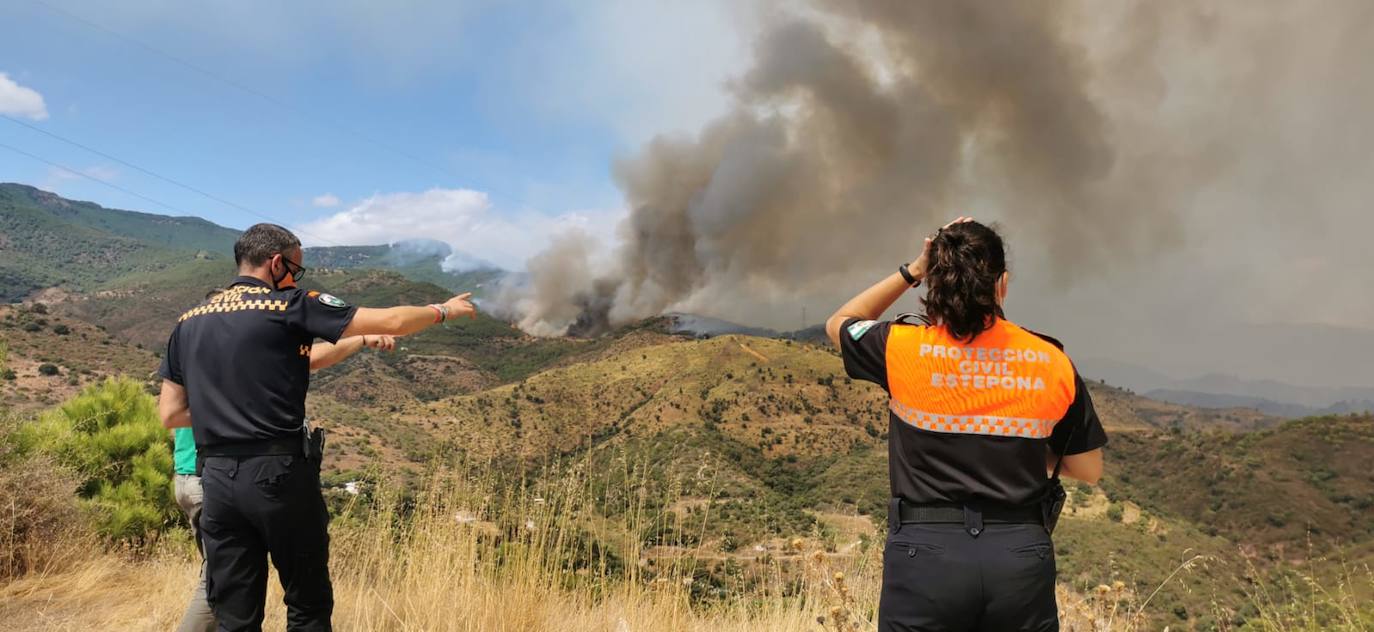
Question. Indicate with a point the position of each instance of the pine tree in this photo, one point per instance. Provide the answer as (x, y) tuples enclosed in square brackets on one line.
[(110, 434)]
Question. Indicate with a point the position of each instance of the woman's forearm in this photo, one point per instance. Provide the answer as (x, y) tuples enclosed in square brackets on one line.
[(871, 303), (868, 304), (324, 355)]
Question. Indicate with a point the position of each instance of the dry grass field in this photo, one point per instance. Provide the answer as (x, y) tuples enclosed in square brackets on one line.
[(470, 554)]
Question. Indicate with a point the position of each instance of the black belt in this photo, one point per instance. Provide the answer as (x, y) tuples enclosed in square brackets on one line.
[(281, 446), (959, 514)]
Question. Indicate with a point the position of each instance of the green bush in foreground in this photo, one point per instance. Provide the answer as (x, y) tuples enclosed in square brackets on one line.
[(110, 435)]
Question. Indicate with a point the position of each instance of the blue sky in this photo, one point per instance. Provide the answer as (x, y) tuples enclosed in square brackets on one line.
[(526, 103)]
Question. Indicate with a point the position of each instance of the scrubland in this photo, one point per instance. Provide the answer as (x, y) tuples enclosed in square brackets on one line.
[(566, 552)]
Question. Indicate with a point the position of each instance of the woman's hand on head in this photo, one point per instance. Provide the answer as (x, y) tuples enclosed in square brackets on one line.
[(921, 265)]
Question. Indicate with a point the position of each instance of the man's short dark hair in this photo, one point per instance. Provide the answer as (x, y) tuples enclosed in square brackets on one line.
[(260, 242)]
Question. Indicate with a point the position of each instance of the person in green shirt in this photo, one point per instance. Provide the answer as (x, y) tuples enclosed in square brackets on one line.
[(198, 616)]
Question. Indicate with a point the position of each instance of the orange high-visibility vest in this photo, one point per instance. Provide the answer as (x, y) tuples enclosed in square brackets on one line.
[(1008, 382)]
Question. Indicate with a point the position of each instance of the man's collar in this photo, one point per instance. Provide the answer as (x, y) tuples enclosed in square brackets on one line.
[(249, 280)]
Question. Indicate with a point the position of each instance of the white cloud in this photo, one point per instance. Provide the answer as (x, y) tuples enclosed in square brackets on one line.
[(17, 100), (328, 200), (464, 218)]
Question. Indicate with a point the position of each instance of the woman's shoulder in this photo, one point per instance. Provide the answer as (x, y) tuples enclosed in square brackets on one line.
[(1046, 338)]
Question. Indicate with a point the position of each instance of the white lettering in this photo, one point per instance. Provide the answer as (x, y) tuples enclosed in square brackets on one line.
[(925, 349)]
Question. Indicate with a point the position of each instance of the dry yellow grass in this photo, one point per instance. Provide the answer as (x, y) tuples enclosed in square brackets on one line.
[(474, 556), (470, 557)]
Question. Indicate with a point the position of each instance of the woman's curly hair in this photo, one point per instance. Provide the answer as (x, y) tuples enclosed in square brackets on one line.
[(965, 261)]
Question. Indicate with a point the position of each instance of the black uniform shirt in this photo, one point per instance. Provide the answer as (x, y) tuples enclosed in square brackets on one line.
[(940, 467), (244, 358)]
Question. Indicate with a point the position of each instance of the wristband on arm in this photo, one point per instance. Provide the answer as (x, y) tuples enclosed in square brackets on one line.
[(907, 276)]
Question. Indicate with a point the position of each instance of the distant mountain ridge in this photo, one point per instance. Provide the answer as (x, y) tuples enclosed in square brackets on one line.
[(1267, 406), (424, 260), (48, 241), (1215, 390)]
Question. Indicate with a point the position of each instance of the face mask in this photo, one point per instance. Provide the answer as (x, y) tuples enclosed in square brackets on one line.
[(277, 280)]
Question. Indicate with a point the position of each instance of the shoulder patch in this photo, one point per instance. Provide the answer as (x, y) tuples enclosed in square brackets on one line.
[(329, 300), (857, 330)]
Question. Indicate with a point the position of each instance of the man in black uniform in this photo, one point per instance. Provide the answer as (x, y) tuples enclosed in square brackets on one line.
[(241, 363)]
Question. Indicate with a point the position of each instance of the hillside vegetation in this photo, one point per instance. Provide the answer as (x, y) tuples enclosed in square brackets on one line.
[(47, 241), (641, 480)]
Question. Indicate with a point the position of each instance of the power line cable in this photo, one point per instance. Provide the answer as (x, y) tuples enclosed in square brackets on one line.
[(93, 178), (250, 90), (154, 174)]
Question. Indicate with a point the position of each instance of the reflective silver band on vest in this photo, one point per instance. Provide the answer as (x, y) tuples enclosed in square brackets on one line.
[(974, 424)]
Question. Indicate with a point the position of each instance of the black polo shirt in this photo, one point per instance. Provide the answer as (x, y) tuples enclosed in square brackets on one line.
[(244, 358)]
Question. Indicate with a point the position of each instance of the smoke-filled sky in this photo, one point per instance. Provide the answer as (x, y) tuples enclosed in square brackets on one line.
[(1183, 185), (1171, 178)]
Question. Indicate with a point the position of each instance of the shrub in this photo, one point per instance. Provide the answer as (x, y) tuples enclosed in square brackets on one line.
[(47, 368), (61, 330), (110, 435), (43, 519), (43, 525)]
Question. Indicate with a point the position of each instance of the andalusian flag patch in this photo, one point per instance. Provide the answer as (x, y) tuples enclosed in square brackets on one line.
[(332, 301), (857, 330)]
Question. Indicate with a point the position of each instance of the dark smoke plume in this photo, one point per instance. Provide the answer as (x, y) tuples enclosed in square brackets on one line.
[(859, 128)]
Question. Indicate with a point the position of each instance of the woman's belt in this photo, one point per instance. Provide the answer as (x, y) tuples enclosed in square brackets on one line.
[(958, 514), (282, 446)]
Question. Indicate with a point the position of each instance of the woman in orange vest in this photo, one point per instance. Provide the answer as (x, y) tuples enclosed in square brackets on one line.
[(984, 417)]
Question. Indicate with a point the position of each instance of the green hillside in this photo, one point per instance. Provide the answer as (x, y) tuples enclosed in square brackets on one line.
[(771, 438), (49, 241), (1304, 482)]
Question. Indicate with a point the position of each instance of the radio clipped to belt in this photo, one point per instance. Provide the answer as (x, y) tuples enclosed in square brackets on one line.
[(1052, 503), (312, 442)]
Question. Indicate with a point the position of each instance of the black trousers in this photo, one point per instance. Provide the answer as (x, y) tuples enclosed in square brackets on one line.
[(258, 506), (941, 577)]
